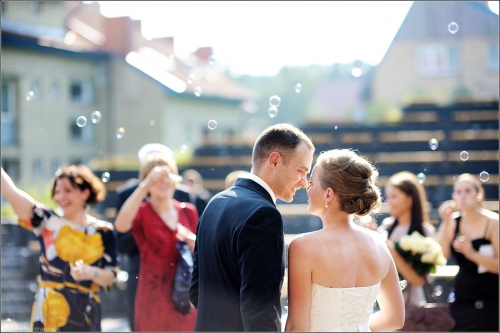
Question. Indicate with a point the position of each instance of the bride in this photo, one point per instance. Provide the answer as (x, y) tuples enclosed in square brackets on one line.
[(337, 273)]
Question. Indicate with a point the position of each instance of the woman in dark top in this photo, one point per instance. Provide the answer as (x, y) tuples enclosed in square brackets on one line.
[(471, 235)]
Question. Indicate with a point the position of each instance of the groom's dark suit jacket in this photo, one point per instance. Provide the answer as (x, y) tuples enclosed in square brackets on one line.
[(239, 261)]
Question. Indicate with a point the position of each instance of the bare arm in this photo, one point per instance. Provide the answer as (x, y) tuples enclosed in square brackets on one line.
[(299, 287), (104, 277), (21, 202), (390, 300), (446, 231), (127, 213)]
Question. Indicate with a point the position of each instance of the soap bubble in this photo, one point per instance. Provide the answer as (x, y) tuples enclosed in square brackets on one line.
[(197, 91), (433, 144), (453, 27), (95, 117), (29, 95), (81, 121), (403, 284), (120, 133), (212, 124), (105, 177), (298, 88), (272, 111), (484, 176), (274, 100), (464, 156), (421, 178), (478, 304)]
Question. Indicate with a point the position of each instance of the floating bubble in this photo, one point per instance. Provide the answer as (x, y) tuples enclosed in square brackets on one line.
[(105, 177), (29, 95), (197, 91), (183, 149), (272, 111), (152, 122), (274, 100), (438, 290), (403, 284), (336, 127), (298, 88), (95, 117), (478, 304), (212, 124), (356, 72), (421, 178), (81, 121), (453, 27), (464, 156), (451, 297), (120, 132), (433, 144), (191, 78), (484, 176)]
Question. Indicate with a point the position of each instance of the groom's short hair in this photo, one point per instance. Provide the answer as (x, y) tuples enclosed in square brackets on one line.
[(283, 138)]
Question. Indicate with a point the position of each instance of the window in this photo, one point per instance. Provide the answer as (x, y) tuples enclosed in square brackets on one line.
[(80, 134), (81, 92), (54, 91), (493, 57), (12, 168), (36, 89), (36, 7), (437, 60), (9, 128), (37, 168)]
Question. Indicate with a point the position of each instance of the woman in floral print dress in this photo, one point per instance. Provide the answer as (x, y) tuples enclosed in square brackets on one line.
[(77, 256)]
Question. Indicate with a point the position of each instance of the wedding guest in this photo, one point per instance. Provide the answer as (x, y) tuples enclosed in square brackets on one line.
[(406, 201), (198, 195), (126, 242), (470, 233), (336, 274), (77, 251), (157, 223)]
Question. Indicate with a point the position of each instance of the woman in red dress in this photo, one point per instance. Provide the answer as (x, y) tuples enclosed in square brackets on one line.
[(157, 224)]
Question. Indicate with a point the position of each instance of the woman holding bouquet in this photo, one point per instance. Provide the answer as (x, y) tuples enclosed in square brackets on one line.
[(406, 198), (77, 256), (471, 235)]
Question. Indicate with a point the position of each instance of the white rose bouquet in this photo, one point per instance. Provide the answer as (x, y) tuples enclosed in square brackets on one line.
[(422, 253)]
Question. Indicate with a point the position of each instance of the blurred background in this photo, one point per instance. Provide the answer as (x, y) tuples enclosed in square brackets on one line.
[(411, 85)]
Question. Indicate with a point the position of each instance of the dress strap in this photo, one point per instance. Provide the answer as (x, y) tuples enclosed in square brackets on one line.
[(457, 225)]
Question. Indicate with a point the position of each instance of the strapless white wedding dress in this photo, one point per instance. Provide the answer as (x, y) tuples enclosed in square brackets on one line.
[(342, 309)]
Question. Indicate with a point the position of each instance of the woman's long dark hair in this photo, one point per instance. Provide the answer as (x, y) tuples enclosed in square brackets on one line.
[(408, 183)]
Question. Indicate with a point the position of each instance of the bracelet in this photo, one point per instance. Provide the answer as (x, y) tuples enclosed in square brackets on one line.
[(95, 272)]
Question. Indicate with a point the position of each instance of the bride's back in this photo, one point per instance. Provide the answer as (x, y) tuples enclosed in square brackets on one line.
[(354, 257)]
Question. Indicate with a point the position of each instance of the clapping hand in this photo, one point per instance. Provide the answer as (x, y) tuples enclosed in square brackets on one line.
[(184, 234)]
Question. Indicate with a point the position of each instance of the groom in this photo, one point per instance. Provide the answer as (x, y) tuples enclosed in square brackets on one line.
[(239, 252)]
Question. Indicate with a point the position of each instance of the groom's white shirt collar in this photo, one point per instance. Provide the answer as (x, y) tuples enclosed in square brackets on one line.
[(262, 183)]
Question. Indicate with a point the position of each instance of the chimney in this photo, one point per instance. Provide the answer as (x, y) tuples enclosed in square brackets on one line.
[(118, 31), (164, 44), (204, 53)]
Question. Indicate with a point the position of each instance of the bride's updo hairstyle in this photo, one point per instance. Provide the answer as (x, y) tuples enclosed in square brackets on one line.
[(353, 179)]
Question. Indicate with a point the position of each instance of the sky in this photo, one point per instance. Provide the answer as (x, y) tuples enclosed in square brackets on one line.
[(260, 37)]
